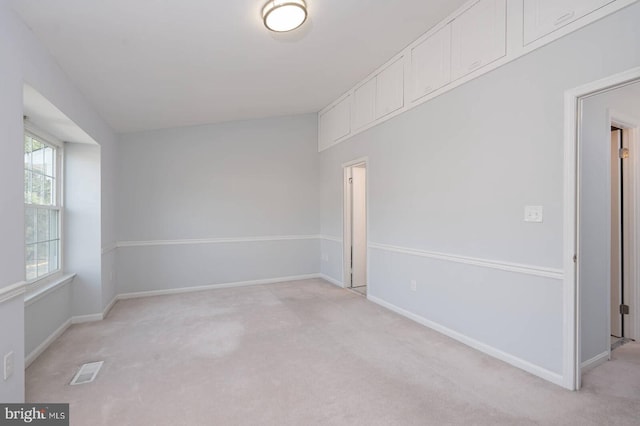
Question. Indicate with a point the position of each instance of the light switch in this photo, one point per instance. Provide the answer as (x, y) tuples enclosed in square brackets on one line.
[(533, 214)]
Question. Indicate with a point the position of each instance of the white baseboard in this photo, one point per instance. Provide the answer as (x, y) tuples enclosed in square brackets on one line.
[(135, 295), (482, 347), (80, 319), (595, 361), (331, 280), (48, 341), (109, 306)]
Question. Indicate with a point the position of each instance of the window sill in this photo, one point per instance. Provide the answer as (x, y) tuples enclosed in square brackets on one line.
[(41, 290)]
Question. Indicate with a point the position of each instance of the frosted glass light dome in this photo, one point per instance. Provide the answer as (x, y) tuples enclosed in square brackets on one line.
[(284, 15)]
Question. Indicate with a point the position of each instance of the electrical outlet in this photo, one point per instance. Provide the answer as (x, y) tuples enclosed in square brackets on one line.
[(414, 285), (8, 365)]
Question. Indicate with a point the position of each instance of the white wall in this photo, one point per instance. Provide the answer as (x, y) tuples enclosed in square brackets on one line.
[(245, 179), (595, 214), (82, 250), (11, 206), (24, 60), (44, 316), (450, 179)]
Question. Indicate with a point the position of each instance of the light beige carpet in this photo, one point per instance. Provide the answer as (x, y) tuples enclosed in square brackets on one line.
[(305, 353)]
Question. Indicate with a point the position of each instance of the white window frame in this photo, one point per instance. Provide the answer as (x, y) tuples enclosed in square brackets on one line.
[(42, 136)]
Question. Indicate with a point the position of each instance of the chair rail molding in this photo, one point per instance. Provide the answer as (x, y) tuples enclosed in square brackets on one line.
[(557, 274), (223, 240), (12, 291)]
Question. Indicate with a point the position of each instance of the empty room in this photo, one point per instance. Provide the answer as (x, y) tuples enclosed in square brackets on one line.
[(418, 212)]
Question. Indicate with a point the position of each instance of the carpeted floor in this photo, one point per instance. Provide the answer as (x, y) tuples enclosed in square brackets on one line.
[(305, 353)]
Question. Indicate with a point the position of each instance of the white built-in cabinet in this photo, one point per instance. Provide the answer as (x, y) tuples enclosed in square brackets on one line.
[(478, 37), (430, 63), (390, 88), (334, 123), (473, 40), (364, 104), (380, 95), (541, 17)]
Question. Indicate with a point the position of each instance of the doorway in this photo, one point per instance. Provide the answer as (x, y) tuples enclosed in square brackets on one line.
[(621, 168), (355, 229), (602, 216)]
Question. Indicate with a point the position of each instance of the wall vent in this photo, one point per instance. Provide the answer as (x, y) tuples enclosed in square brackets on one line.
[(87, 373)]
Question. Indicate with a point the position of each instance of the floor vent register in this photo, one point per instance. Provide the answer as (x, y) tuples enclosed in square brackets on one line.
[(87, 373)]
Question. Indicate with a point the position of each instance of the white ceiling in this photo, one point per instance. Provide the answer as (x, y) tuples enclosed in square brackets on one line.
[(150, 64)]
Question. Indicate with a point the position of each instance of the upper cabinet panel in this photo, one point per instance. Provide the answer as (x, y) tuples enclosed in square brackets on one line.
[(364, 104), (542, 17), (478, 37), (430, 66), (334, 123), (390, 88)]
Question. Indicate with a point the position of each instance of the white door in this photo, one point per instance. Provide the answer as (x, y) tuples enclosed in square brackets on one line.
[(359, 226)]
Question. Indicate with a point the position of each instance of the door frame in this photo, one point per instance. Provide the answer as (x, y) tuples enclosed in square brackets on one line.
[(571, 290), (346, 219)]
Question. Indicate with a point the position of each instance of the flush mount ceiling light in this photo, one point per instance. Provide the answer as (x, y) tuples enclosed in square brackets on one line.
[(284, 15)]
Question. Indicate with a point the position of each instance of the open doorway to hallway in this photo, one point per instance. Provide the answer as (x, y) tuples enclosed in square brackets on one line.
[(621, 207), (608, 221), (355, 229)]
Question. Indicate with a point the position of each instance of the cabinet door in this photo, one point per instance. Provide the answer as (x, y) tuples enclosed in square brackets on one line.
[(478, 36), (431, 63), (364, 104), (542, 17), (390, 89), (334, 123)]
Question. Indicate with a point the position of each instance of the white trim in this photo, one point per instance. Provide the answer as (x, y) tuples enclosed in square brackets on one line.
[(37, 133), (482, 347), (81, 319), (138, 294), (215, 240), (331, 280), (47, 342), (33, 296), (109, 306), (571, 311), (12, 291), (355, 162), (58, 332), (109, 247), (570, 346), (634, 273), (595, 361), (330, 238), (519, 268)]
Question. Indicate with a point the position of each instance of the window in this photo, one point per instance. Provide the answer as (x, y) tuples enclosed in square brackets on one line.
[(43, 215)]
